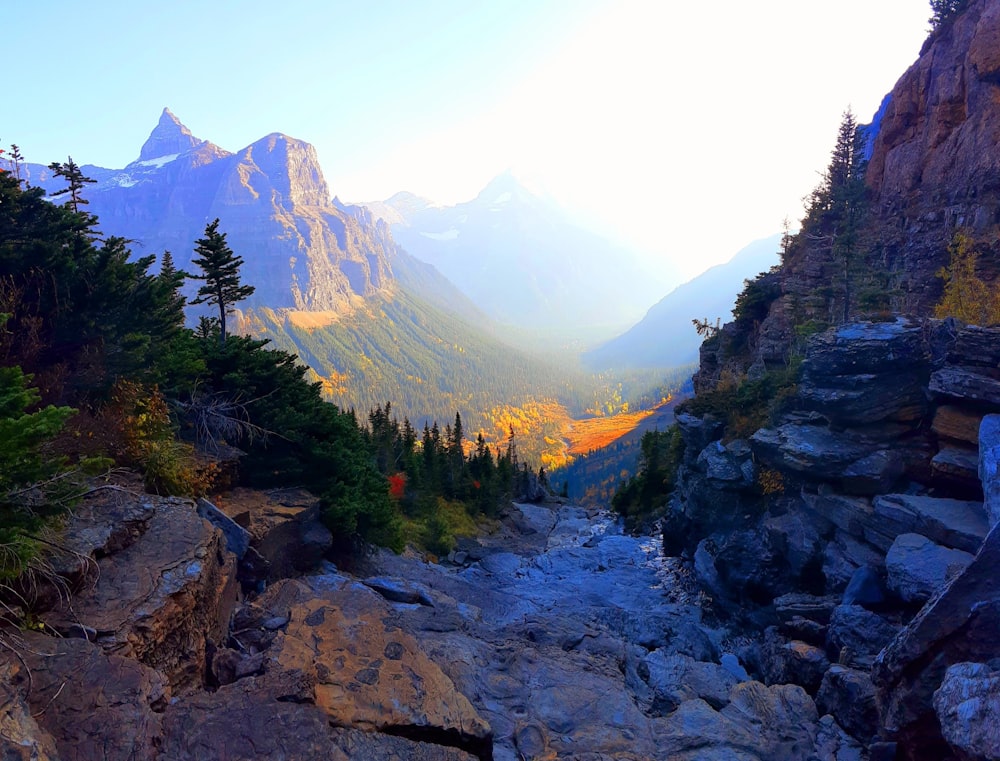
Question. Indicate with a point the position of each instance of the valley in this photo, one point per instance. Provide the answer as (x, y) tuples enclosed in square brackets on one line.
[(287, 477)]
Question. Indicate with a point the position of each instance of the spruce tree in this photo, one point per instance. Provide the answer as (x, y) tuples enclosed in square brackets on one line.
[(221, 273), (76, 179)]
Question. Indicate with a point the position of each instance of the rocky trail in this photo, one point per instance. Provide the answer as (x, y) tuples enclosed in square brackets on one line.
[(555, 637)]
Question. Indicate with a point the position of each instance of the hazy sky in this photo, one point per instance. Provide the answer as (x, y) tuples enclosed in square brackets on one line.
[(689, 128)]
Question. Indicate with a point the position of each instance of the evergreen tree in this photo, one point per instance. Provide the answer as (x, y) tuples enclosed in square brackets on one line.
[(76, 181), (16, 159), (943, 11), (221, 272)]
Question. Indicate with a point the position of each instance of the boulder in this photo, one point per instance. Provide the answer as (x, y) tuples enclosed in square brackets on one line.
[(957, 466), (726, 466), (284, 526), (856, 635), (812, 451), (957, 423), (833, 744), (917, 567), (976, 346), (865, 588), (953, 523), (958, 625), (340, 651), (94, 705), (21, 739), (876, 473), (796, 538), (843, 556), (162, 599), (865, 372), (792, 662), (967, 705), (674, 679), (849, 696), (758, 723), (989, 466), (966, 384)]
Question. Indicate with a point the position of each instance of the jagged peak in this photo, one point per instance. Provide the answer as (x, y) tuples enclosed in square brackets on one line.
[(170, 137)]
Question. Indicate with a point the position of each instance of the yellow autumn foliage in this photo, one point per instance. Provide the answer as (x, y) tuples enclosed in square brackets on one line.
[(966, 296)]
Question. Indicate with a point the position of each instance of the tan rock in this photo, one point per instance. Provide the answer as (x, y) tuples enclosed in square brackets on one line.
[(284, 525), (162, 598), (364, 673), (21, 739), (957, 423)]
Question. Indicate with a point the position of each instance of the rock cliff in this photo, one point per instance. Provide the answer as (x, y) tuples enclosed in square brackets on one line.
[(932, 169), (855, 508)]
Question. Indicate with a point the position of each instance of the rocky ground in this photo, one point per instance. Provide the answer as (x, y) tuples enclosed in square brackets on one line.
[(555, 637)]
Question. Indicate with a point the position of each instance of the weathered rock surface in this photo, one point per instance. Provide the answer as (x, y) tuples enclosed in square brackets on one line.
[(93, 704), (284, 527), (792, 662), (363, 672), (849, 696), (958, 625), (162, 598), (21, 739), (856, 635), (917, 567), (968, 706), (989, 466)]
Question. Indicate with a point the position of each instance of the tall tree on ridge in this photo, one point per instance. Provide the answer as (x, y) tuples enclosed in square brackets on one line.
[(72, 173), (221, 273)]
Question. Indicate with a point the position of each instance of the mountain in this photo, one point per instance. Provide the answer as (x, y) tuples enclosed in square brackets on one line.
[(522, 259), (301, 251), (332, 285), (665, 337)]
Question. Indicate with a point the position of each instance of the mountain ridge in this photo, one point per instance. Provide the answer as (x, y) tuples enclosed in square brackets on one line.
[(665, 336)]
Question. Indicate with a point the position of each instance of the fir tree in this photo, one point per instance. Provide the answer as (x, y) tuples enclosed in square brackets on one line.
[(221, 272), (76, 181)]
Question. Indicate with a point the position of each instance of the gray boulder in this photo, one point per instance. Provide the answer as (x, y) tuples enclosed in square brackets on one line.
[(849, 696), (856, 635), (917, 567), (968, 706), (989, 466), (957, 626), (792, 662), (951, 522)]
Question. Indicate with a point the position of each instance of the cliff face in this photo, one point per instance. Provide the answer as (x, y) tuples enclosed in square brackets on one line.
[(301, 251), (933, 168), (934, 165)]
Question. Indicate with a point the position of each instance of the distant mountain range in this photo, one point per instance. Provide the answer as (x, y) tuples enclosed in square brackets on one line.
[(665, 337), (332, 285), (522, 259)]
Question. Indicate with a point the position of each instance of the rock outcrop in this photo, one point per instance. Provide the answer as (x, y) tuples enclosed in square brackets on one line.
[(869, 518)]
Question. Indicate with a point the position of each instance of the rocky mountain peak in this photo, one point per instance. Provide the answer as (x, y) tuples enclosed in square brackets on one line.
[(169, 137), (291, 167)]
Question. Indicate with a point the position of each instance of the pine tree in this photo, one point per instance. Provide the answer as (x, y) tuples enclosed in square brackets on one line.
[(945, 10), (221, 273), (76, 179)]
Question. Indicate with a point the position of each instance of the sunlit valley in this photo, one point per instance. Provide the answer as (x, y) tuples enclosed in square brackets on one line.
[(497, 414)]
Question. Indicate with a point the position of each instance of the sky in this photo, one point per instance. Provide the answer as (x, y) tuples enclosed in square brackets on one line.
[(685, 130)]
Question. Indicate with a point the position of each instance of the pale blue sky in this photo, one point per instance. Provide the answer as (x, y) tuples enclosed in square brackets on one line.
[(655, 118)]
